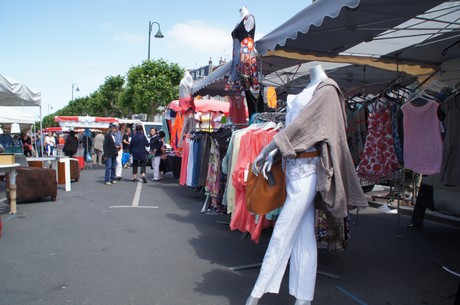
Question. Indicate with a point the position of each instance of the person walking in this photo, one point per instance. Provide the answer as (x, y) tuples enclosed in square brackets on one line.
[(119, 145), (126, 141), (156, 148), (70, 145), (110, 155), (98, 146), (26, 144), (137, 149)]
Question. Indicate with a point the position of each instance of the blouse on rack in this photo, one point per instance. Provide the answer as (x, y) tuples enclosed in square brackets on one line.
[(422, 138)]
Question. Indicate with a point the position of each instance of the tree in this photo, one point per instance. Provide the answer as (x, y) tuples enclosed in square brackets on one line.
[(150, 85)]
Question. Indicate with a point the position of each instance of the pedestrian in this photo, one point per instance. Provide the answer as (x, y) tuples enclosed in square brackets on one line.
[(50, 142), (118, 144), (110, 155), (98, 145), (26, 144), (137, 149), (157, 150), (126, 141), (71, 145)]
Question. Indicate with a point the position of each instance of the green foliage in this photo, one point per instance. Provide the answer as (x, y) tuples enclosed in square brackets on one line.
[(152, 84)]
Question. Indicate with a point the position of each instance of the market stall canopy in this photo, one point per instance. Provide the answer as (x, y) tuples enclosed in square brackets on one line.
[(203, 106), (14, 93), (390, 35), (84, 121), (214, 83), (10, 115)]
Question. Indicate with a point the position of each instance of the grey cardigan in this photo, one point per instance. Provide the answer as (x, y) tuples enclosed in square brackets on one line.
[(323, 122)]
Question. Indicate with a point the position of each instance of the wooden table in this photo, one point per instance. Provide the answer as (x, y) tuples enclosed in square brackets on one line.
[(11, 170), (54, 164)]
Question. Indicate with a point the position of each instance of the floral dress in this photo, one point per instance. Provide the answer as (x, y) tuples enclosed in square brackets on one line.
[(378, 159)]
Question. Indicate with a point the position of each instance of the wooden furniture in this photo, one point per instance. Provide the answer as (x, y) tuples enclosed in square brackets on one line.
[(31, 184), (10, 170)]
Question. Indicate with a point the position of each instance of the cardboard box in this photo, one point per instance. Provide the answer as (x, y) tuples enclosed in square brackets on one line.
[(7, 159)]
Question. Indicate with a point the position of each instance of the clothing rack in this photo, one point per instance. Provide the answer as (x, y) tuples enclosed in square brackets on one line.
[(262, 117)]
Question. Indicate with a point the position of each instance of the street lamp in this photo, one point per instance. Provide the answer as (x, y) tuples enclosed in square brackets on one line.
[(73, 89), (49, 107), (157, 35)]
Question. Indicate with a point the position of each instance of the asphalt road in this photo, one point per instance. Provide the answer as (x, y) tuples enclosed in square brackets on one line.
[(101, 245)]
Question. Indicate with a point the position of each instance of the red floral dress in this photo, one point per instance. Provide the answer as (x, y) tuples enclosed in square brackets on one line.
[(378, 158)]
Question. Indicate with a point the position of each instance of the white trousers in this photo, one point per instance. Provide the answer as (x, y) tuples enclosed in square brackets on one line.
[(118, 169), (293, 237), (156, 168)]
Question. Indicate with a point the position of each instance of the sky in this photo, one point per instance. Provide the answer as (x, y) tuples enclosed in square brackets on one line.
[(50, 45)]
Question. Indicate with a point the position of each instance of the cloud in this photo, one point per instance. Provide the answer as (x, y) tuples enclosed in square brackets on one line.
[(200, 36), (134, 38)]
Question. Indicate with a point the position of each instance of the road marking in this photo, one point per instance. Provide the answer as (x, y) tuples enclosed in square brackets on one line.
[(8, 218), (137, 207), (346, 292), (137, 195)]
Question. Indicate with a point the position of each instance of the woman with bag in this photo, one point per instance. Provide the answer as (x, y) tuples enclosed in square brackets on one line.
[(156, 149), (137, 149)]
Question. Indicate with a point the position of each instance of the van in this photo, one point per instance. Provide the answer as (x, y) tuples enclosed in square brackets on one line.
[(146, 126)]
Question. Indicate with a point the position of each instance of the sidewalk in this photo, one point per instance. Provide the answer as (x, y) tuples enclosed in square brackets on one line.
[(96, 246)]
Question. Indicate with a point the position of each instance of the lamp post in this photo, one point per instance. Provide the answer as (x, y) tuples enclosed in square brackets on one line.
[(157, 35), (49, 107), (73, 89)]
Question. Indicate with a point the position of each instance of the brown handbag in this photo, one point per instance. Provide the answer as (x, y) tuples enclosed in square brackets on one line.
[(264, 196)]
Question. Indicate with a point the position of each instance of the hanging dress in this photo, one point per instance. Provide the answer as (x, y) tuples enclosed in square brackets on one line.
[(243, 73), (378, 159)]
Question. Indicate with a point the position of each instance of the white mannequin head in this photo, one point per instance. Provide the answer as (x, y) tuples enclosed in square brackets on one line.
[(244, 12)]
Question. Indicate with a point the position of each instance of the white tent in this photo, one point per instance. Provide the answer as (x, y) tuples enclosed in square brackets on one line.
[(10, 115), (14, 93)]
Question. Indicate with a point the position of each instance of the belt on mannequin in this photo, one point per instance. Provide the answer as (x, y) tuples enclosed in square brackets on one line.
[(308, 154)]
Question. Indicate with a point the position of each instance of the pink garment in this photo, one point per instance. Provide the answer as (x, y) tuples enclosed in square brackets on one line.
[(184, 164), (422, 138), (251, 144)]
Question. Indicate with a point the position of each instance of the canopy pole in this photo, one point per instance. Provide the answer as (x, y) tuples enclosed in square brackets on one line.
[(41, 132)]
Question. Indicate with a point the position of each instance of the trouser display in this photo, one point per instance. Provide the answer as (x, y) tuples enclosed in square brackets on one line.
[(293, 237), (156, 168), (136, 164)]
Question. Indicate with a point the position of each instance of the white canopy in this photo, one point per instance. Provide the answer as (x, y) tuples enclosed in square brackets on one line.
[(10, 115), (14, 93)]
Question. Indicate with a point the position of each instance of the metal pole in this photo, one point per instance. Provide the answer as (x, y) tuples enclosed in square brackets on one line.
[(150, 32), (41, 133)]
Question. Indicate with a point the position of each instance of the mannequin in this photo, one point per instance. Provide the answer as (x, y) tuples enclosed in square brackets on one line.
[(305, 144), (249, 23), (243, 74)]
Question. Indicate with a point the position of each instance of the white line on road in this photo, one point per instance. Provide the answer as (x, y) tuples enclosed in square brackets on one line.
[(137, 195), (130, 206)]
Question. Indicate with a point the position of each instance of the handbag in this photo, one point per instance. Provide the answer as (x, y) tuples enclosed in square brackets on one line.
[(264, 196)]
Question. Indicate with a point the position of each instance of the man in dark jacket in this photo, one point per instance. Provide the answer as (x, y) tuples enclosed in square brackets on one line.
[(137, 149), (110, 155)]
